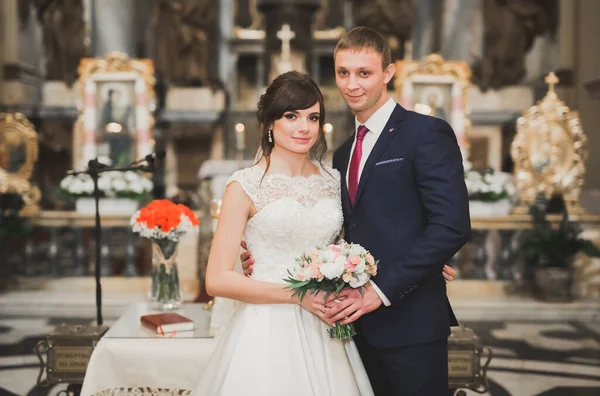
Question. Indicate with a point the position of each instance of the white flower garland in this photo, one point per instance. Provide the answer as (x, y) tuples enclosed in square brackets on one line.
[(111, 185)]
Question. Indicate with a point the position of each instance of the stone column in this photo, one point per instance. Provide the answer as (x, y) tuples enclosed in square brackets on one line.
[(20, 56), (9, 31), (113, 27), (298, 14)]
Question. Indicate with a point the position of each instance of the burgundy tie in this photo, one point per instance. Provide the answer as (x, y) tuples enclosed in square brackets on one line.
[(355, 163)]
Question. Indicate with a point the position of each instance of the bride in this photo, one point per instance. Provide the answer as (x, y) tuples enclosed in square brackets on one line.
[(284, 205)]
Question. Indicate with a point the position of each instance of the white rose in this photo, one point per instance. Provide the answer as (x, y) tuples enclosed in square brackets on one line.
[(359, 280), (474, 176), (131, 176), (119, 185), (497, 188), (64, 183), (76, 187), (333, 269), (328, 256), (88, 186), (147, 184), (356, 250), (136, 187), (104, 183), (360, 268)]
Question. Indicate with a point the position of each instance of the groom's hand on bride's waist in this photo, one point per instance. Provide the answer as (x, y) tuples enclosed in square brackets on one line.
[(350, 304), (247, 260)]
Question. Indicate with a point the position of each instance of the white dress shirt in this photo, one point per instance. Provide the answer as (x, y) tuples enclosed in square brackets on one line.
[(375, 125)]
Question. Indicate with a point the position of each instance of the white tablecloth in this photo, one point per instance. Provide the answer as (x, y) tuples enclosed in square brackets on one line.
[(131, 356)]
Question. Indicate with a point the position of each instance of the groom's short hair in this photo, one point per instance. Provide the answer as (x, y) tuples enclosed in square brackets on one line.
[(361, 38)]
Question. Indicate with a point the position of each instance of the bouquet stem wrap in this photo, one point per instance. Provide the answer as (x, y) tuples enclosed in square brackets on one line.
[(341, 332)]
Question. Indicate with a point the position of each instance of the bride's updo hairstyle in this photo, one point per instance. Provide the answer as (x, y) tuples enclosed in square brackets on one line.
[(288, 92)]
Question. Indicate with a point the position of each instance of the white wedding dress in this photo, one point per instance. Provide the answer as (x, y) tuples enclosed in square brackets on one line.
[(282, 349)]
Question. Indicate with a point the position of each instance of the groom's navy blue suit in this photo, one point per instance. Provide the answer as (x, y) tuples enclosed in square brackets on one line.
[(411, 211)]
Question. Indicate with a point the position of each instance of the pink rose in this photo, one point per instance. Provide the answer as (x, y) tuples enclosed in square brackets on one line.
[(372, 270), (300, 275), (347, 277), (315, 273), (349, 265), (370, 259)]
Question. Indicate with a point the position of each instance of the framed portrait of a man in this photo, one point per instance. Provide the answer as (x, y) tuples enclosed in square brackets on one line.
[(438, 88), (116, 104)]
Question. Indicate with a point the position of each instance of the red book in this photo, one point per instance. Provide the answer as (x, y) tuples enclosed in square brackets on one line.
[(164, 323)]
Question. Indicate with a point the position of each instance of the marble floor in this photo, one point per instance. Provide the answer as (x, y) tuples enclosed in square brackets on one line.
[(532, 356)]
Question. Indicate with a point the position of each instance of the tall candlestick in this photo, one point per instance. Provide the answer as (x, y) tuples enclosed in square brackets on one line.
[(328, 129), (240, 143)]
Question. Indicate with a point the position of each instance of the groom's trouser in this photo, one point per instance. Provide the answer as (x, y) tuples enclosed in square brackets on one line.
[(414, 370)]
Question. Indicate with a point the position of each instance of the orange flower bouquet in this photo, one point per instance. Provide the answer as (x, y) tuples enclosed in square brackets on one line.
[(164, 222)]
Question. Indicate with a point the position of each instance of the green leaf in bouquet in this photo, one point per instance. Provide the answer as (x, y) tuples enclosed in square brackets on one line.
[(294, 284)]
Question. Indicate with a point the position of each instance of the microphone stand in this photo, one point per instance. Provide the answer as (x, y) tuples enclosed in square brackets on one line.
[(95, 168)]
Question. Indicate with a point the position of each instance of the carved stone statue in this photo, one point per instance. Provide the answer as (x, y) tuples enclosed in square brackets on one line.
[(63, 28), (510, 29), (392, 18), (183, 30)]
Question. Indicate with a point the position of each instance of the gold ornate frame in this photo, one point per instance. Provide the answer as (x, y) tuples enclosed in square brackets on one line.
[(18, 181), (436, 71), (115, 67), (549, 152)]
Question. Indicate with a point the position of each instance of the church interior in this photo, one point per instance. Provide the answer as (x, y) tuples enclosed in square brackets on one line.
[(167, 91)]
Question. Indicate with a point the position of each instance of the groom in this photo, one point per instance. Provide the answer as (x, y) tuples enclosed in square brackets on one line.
[(404, 199)]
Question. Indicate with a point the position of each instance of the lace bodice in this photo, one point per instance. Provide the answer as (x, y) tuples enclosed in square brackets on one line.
[(294, 214)]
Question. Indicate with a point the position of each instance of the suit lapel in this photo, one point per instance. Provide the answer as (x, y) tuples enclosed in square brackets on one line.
[(387, 134), (347, 147)]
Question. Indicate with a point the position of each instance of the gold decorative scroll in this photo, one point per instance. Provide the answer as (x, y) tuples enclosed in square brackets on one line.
[(434, 70), (433, 65), (19, 138), (115, 68), (549, 152), (117, 62)]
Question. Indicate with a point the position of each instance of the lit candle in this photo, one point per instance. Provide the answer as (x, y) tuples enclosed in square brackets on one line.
[(239, 137), (215, 210), (328, 129)]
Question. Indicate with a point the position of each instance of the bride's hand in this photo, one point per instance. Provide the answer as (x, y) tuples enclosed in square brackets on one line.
[(314, 303)]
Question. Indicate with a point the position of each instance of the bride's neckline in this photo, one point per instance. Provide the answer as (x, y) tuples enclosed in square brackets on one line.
[(279, 174)]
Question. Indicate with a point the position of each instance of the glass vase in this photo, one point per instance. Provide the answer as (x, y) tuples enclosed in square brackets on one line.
[(165, 291)]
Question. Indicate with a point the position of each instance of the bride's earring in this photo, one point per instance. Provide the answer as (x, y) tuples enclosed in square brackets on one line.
[(270, 136)]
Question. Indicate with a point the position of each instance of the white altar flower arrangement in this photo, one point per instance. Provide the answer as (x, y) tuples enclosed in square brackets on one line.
[(490, 193), (129, 185)]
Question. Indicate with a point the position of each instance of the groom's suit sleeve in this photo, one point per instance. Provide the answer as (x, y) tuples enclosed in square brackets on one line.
[(439, 174)]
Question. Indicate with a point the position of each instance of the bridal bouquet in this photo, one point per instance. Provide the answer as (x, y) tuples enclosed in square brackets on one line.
[(164, 223), (330, 269)]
